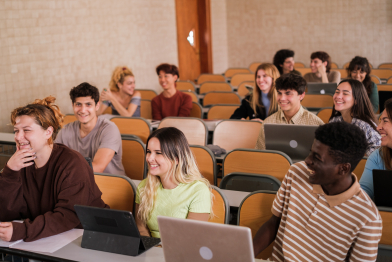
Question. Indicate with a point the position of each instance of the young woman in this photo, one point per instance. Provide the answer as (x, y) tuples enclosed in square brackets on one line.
[(43, 181), (174, 186), (320, 64), (121, 97), (352, 105), (359, 69), (262, 102), (284, 62)]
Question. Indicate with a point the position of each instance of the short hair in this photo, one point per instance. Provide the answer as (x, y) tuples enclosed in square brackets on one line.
[(291, 82), (168, 69), (324, 57), (83, 90), (280, 57), (347, 142)]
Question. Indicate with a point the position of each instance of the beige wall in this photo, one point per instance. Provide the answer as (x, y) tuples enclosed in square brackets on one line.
[(219, 36), (47, 47)]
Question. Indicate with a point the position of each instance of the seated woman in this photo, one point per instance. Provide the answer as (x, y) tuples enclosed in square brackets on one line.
[(284, 62), (352, 105), (170, 102), (122, 97), (43, 181), (320, 64), (262, 102), (359, 69), (174, 186), (382, 157)]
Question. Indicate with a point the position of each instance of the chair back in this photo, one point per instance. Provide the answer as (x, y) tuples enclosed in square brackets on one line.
[(237, 79), (384, 253), (384, 87), (68, 119), (210, 78), (248, 182), (382, 73), (343, 72), (185, 86), (215, 86), (145, 109), (206, 162), (133, 126), (233, 133), (324, 114), (303, 70), (194, 96), (334, 65), (148, 94), (117, 191), (108, 111), (385, 65), (220, 207), (389, 81), (134, 158), (194, 129), (221, 111), (299, 65), (232, 71), (223, 98), (254, 66), (317, 101), (358, 171), (242, 90), (197, 110), (386, 216), (375, 79)]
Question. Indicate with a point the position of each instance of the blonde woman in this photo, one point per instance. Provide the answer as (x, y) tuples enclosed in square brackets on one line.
[(121, 97), (262, 102), (174, 186)]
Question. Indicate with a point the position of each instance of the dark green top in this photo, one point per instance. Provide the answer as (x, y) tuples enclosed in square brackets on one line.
[(374, 97)]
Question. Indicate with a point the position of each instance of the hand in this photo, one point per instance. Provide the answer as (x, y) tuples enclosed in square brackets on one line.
[(106, 95), (257, 119), (322, 69), (21, 158), (6, 231), (243, 119)]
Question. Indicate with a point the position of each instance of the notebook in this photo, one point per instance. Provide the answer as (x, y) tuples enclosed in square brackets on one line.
[(382, 181)]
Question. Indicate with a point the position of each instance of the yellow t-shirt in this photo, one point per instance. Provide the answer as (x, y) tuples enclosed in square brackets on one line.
[(178, 202)]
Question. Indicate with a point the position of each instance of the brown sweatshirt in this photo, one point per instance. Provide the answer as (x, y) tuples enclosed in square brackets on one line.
[(45, 197), (178, 105)]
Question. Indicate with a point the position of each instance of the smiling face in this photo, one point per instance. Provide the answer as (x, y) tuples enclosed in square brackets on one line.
[(128, 85), (264, 81), (289, 100), (85, 109), (167, 81), (158, 164), (385, 130), (316, 63), (358, 74), (343, 98), (288, 65)]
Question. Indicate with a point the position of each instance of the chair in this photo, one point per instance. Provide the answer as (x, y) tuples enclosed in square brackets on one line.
[(389, 81), (298, 65), (317, 101), (254, 211), (384, 87), (220, 207), (324, 114), (385, 65), (384, 253), (108, 111), (145, 109), (206, 162), (197, 110), (232, 71), (117, 191), (194, 129), (234, 133), (303, 70), (247, 182), (221, 111), (343, 72), (133, 126), (194, 96), (383, 73), (254, 66), (223, 98), (386, 215), (215, 86), (242, 90), (148, 94), (134, 158), (69, 119), (237, 79), (358, 171), (268, 162), (185, 86), (334, 65), (210, 78), (375, 79)]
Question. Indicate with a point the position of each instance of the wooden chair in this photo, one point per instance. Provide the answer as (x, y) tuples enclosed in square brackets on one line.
[(386, 215), (68, 119), (242, 90), (133, 126), (382, 73), (334, 65), (389, 81), (299, 65), (358, 171), (237, 79), (267, 162), (194, 129), (324, 114), (384, 87), (248, 182), (210, 78), (215, 86), (303, 70), (145, 109), (343, 72), (220, 207), (117, 191), (194, 96), (375, 79), (221, 111), (134, 158), (148, 94), (221, 98), (254, 211), (254, 66), (385, 65), (206, 162), (317, 101), (234, 133), (108, 111), (232, 71), (197, 110), (185, 86)]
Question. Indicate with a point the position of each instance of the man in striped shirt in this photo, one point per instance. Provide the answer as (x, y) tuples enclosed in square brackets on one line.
[(320, 213)]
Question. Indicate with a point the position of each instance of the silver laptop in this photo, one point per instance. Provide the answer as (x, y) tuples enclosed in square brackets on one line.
[(197, 241), (294, 140), (322, 88)]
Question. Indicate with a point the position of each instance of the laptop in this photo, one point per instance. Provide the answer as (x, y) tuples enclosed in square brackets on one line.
[(322, 88), (194, 241), (293, 140), (112, 231), (383, 96), (382, 181)]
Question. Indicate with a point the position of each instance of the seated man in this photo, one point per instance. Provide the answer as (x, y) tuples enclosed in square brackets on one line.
[(170, 102), (291, 90), (320, 64), (92, 136), (320, 212)]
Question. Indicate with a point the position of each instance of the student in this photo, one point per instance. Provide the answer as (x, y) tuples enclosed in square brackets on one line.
[(121, 97), (262, 102), (170, 102), (291, 90), (94, 137), (320, 212), (352, 105), (359, 69), (284, 62), (320, 64), (174, 186), (43, 181)]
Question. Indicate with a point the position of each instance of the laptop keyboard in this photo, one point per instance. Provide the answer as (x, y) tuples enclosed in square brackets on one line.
[(150, 241)]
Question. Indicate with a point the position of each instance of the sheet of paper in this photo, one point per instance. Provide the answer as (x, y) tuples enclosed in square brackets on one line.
[(50, 244)]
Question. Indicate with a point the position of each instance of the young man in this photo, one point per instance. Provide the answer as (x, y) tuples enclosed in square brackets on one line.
[(93, 137), (320, 213), (291, 90)]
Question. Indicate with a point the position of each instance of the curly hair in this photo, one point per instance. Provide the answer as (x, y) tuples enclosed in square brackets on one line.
[(280, 57), (291, 82), (361, 64), (324, 57), (347, 143), (168, 69), (118, 76), (83, 90)]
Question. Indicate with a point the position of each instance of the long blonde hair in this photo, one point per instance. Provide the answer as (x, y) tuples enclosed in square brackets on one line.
[(273, 72), (118, 76), (175, 149)]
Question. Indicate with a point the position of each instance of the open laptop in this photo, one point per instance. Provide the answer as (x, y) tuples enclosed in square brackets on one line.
[(382, 181), (112, 231), (294, 140), (322, 88), (194, 241)]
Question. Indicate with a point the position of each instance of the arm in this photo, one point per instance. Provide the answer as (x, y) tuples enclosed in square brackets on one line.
[(366, 182), (155, 108), (102, 108), (260, 144), (198, 216), (143, 229), (374, 97), (323, 72), (266, 234), (102, 158), (241, 112), (121, 109), (186, 106), (335, 78)]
